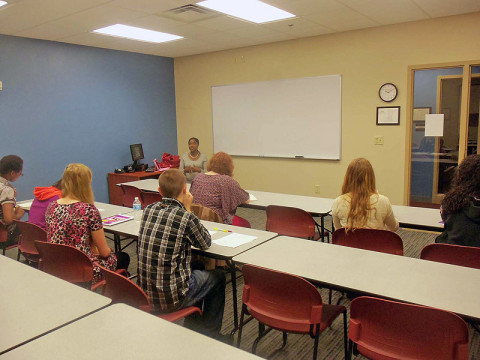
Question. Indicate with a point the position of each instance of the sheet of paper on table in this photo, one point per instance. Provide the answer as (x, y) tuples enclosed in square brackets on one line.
[(234, 240), (252, 198)]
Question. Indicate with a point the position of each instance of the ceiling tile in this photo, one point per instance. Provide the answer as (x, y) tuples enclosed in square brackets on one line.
[(150, 6), (387, 11), (437, 8), (81, 22)]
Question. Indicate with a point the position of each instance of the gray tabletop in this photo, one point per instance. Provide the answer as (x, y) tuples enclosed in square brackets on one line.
[(123, 332), (443, 286), (130, 229), (33, 302)]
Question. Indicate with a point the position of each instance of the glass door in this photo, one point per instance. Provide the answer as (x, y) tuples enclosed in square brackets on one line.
[(435, 139), (474, 109)]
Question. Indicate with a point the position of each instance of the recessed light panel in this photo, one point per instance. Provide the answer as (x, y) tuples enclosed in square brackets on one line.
[(135, 33), (3, 3), (251, 10)]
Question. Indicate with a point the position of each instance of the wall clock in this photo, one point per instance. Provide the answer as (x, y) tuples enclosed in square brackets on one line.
[(388, 92)]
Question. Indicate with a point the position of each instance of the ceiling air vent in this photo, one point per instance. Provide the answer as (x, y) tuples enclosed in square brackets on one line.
[(189, 14)]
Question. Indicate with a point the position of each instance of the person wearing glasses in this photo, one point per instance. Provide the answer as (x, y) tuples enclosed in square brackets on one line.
[(11, 168)]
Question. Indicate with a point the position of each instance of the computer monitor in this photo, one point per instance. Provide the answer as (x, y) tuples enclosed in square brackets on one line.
[(137, 154)]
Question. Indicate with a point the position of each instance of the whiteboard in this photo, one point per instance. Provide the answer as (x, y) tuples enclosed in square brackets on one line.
[(293, 118)]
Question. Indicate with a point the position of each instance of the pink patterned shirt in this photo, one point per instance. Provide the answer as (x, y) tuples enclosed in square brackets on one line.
[(221, 193)]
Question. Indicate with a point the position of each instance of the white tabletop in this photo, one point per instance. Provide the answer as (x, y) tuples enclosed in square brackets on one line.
[(123, 332), (104, 208), (131, 228), (33, 302), (408, 216), (443, 286)]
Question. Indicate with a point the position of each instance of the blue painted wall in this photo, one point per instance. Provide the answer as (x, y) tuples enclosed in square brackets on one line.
[(65, 103)]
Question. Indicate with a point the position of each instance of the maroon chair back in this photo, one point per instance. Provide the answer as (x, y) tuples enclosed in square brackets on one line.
[(452, 254), (26, 241), (282, 301), (290, 221), (239, 221), (129, 194), (65, 262), (3, 233), (384, 329), (147, 198), (369, 239), (122, 290)]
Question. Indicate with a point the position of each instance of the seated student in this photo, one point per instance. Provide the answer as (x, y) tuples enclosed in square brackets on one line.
[(11, 167), (74, 220), (193, 162), (461, 206), (168, 230), (217, 189), (43, 197), (360, 205)]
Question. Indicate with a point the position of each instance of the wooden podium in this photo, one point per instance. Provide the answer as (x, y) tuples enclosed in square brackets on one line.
[(115, 192)]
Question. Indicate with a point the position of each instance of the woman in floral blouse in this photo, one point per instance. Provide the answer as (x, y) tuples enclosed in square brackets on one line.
[(74, 220)]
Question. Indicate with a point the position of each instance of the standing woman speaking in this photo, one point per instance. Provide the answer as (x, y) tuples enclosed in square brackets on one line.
[(193, 162)]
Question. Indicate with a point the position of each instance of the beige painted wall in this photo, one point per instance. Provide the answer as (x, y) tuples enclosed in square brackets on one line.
[(365, 58)]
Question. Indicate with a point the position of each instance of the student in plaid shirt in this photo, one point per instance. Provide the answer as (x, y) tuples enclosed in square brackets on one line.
[(168, 230)]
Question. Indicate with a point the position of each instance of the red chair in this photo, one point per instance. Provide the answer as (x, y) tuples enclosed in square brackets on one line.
[(369, 239), (26, 241), (452, 254), (239, 221), (129, 194), (467, 256), (291, 221), (147, 198), (386, 330), (4, 238), (122, 290), (286, 303), (65, 262)]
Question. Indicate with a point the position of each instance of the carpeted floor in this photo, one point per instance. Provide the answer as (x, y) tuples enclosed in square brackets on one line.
[(301, 346)]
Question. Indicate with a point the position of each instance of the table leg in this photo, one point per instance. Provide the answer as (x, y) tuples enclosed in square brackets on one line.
[(233, 276)]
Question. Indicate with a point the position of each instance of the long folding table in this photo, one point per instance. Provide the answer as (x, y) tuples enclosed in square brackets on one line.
[(33, 303), (123, 332), (131, 228), (408, 216), (443, 286)]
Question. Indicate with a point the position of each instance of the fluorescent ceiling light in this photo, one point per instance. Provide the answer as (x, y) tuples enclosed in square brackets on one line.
[(135, 33), (3, 3), (251, 10)]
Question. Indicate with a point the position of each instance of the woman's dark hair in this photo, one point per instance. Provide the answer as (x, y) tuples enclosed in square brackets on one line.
[(11, 163), (465, 186), (58, 184), (194, 138)]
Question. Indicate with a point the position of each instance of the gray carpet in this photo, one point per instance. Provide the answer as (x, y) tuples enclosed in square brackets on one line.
[(301, 346)]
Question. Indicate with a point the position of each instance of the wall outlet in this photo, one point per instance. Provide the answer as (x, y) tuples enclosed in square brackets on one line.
[(317, 189), (378, 140)]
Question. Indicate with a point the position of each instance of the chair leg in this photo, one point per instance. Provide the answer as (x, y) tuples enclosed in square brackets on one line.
[(345, 334), (240, 327), (285, 334), (315, 344), (18, 255), (261, 333), (349, 352)]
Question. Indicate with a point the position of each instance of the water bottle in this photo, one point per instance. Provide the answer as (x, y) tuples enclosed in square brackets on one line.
[(137, 205)]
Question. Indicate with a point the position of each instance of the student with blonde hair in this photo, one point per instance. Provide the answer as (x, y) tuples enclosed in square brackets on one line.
[(360, 205), (74, 220)]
